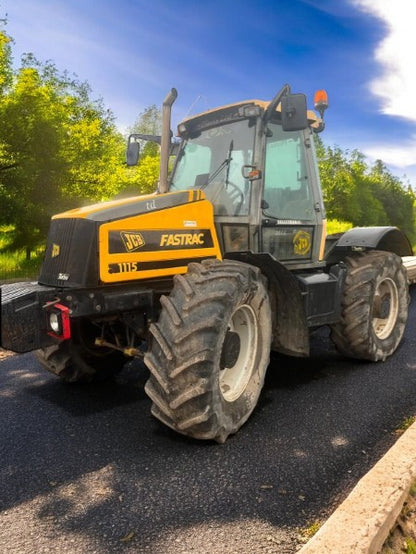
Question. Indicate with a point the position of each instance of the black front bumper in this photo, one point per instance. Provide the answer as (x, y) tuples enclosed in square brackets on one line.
[(23, 321), (24, 309)]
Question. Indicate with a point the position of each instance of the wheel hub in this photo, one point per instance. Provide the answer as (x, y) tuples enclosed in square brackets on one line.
[(230, 349), (238, 353), (385, 308)]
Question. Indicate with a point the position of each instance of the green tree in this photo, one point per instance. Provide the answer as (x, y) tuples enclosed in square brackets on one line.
[(57, 147), (31, 127), (346, 187), (396, 198), (149, 122), (363, 195), (143, 178), (5, 61), (6, 157)]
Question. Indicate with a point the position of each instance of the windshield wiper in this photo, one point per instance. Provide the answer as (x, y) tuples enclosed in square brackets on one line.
[(225, 163), (229, 158)]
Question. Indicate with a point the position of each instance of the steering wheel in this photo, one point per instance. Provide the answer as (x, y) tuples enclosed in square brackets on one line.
[(235, 195)]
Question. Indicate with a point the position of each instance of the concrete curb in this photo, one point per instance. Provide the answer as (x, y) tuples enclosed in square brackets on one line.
[(361, 524)]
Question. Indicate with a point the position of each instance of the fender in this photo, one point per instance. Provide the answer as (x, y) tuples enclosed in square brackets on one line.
[(389, 239), (290, 327)]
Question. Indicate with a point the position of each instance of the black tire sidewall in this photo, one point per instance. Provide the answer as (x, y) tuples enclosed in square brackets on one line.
[(385, 347), (186, 347), (354, 335), (233, 414)]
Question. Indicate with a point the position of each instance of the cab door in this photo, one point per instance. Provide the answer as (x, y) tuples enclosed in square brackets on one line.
[(292, 207)]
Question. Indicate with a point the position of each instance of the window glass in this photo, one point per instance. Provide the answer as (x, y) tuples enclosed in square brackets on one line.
[(286, 187), (196, 159), (212, 160)]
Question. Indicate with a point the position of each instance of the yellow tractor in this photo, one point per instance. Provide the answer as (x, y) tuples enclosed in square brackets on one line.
[(226, 262)]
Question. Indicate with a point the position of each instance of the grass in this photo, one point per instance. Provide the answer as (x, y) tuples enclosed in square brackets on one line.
[(403, 534), (308, 532), (406, 423), (335, 226), (13, 265), (410, 546)]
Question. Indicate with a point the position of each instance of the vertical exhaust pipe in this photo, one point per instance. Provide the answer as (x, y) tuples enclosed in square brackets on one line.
[(165, 144)]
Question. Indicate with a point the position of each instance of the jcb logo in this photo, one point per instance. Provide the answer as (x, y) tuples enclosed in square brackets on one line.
[(132, 241), (301, 243), (55, 250)]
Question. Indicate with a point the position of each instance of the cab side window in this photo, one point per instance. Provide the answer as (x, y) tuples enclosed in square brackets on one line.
[(286, 188)]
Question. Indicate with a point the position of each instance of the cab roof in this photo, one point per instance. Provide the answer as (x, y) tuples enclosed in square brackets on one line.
[(313, 119)]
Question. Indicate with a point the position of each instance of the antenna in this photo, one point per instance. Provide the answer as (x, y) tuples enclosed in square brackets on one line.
[(197, 99)]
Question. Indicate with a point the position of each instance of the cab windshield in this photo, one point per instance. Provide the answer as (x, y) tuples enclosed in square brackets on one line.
[(213, 160)]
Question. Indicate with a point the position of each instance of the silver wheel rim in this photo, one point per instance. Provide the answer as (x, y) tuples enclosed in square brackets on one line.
[(235, 377), (386, 308)]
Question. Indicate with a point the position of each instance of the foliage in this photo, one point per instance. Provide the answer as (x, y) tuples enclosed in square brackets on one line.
[(5, 62), (147, 173), (334, 226), (410, 546), (14, 264), (149, 122), (398, 201), (144, 176), (406, 423), (308, 532), (58, 148), (363, 195)]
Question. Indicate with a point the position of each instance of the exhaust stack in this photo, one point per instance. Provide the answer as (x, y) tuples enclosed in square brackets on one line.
[(166, 139)]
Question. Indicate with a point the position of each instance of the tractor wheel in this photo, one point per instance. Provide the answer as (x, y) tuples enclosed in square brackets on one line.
[(374, 306), (78, 360), (210, 349)]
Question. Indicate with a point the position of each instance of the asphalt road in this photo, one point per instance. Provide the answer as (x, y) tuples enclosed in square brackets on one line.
[(86, 469)]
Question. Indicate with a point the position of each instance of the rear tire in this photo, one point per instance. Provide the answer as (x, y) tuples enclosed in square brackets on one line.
[(210, 350), (374, 306), (78, 360)]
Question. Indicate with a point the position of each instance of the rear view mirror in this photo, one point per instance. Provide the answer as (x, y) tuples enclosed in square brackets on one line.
[(133, 152), (250, 172), (294, 112)]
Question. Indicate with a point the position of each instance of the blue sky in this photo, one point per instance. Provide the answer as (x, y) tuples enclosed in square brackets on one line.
[(220, 51)]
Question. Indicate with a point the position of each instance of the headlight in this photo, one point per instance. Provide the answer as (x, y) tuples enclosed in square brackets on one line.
[(57, 321)]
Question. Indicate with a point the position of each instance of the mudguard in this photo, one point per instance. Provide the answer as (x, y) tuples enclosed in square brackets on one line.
[(389, 239), (290, 328)]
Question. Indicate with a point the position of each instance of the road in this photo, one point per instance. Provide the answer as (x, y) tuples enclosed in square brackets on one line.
[(86, 468)]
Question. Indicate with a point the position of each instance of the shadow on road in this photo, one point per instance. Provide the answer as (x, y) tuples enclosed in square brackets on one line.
[(81, 400), (91, 463)]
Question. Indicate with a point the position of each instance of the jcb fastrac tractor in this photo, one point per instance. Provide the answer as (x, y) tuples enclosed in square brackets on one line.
[(226, 262)]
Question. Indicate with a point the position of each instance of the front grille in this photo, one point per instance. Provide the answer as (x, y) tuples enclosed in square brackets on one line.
[(71, 254), (58, 250)]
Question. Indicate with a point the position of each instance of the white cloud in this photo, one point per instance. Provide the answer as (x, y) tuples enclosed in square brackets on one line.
[(402, 155), (396, 84)]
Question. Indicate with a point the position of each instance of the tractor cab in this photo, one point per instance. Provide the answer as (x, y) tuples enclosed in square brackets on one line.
[(255, 162)]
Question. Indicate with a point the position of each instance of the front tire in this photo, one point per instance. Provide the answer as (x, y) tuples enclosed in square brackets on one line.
[(210, 350), (374, 306)]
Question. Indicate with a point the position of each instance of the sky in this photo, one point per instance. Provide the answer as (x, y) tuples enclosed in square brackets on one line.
[(215, 52)]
